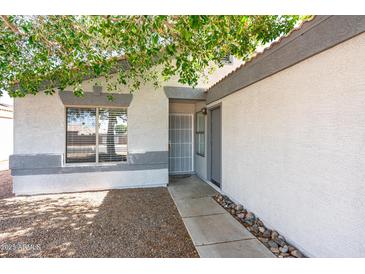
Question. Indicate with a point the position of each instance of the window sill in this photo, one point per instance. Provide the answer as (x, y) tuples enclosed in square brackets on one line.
[(95, 164), (201, 155)]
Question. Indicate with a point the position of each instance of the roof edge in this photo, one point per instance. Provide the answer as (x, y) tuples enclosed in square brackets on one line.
[(276, 43), (310, 38), (185, 93)]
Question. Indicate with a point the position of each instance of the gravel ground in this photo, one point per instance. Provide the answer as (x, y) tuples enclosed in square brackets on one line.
[(116, 223), (6, 184)]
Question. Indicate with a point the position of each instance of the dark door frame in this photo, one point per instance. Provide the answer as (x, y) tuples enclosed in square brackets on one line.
[(209, 142)]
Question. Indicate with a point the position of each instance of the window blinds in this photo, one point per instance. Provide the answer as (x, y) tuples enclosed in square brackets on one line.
[(96, 135)]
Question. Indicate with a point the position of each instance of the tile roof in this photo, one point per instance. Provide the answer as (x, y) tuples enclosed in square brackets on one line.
[(260, 53)]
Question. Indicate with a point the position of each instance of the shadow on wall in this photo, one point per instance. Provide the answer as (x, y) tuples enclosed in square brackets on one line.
[(117, 223)]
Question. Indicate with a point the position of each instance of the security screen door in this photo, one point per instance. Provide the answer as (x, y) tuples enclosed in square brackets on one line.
[(180, 143)]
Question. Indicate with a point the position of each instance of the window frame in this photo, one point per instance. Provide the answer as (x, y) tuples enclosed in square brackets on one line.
[(96, 163), (198, 133)]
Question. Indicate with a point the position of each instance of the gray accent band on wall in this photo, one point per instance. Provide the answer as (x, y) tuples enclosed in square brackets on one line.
[(30, 161), (152, 157), (184, 93), (315, 36), (38, 164), (94, 99)]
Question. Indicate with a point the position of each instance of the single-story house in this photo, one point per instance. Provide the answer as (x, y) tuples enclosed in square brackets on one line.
[(283, 134)]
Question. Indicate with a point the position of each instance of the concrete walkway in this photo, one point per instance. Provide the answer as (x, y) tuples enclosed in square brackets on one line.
[(215, 233)]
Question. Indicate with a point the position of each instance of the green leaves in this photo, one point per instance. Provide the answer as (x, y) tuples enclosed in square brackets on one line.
[(154, 38), (78, 91), (49, 52)]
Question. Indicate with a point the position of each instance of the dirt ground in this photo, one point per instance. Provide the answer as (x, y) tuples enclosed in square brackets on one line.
[(6, 184), (116, 223)]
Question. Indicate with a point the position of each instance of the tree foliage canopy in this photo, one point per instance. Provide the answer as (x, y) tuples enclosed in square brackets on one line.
[(48, 52)]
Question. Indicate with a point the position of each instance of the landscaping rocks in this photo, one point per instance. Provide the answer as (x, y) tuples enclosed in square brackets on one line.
[(284, 249), (291, 248), (255, 229), (259, 222), (241, 215), (266, 234), (296, 254), (275, 250), (238, 207), (274, 235), (270, 238), (263, 240), (280, 242), (272, 244), (250, 217)]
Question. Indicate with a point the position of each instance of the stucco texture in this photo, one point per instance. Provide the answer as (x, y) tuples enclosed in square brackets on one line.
[(293, 151), (40, 122), (74, 182), (6, 145), (40, 128)]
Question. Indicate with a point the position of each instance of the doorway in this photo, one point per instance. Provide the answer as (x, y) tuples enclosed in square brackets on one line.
[(180, 143), (216, 146)]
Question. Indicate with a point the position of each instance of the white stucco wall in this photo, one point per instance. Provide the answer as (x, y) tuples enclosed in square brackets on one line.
[(6, 140), (39, 127), (40, 122), (182, 108), (57, 183), (293, 151)]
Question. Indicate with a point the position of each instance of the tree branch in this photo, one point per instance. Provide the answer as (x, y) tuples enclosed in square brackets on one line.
[(11, 26), (113, 19)]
